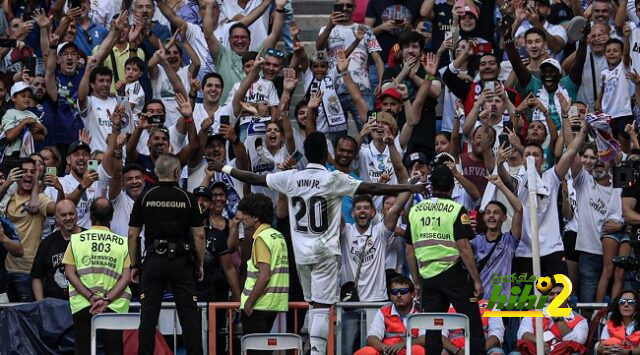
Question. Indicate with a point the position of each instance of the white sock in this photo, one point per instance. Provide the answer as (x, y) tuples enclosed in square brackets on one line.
[(319, 331)]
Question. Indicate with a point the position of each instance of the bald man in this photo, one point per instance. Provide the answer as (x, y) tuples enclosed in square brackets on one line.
[(47, 273)]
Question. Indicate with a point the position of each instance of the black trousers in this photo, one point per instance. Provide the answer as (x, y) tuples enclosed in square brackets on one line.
[(111, 339), (549, 265), (158, 272), (453, 286), (257, 322)]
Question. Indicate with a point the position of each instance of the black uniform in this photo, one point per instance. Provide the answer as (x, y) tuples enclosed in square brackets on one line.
[(167, 214)]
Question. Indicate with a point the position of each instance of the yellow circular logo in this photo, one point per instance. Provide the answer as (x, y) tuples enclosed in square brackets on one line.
[(544, 284)]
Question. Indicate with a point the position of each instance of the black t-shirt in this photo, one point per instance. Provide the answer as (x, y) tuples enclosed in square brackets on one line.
[(384, 10), (632, 192), (461, 227), (441, 24), (48, 267), (166, 212)]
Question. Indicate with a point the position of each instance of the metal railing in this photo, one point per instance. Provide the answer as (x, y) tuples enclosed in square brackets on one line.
[(340, 307)]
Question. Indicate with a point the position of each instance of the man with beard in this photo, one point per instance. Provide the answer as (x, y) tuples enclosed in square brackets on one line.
[(81, 185), (159, 137), (47, 272), (551, 82), (228, 60), (29, 224), (346, 151), (90, 33), (62, 77), (527, 18), (595, 64)]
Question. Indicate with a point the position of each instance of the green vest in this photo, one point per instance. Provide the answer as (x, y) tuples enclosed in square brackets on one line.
[(99, 257), (432, 234), (276, 294)]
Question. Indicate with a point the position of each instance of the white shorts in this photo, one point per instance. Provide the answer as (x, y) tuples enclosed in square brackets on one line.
[(319, 281)]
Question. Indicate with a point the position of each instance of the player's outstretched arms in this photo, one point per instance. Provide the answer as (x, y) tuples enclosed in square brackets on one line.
[(245, 176)]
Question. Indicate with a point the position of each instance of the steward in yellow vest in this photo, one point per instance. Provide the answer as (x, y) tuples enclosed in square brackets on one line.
[(97, 267), (437, 238), (266, 289)]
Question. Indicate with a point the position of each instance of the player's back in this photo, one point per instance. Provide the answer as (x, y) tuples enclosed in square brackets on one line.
[(315, 198)]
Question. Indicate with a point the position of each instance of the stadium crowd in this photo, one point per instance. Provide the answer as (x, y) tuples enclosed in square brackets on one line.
[(93, 93)]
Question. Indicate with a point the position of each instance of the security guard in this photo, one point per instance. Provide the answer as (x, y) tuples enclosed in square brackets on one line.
[(266, 289), (438, 236), (173, 229), (97, 267)]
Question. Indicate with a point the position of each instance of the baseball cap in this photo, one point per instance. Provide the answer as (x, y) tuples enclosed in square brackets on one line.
[(441, 178), (77, 145), (202, 191), (544, 2), (20, 86), (392, 93), (64, 45), (417, 157), (553, 62), (473, 10)]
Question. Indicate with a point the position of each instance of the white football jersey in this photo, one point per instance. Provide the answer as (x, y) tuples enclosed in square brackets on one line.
[(315, 203)]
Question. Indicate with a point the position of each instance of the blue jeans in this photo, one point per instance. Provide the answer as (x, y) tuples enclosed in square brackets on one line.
[(590, 268), (350, 330), (19, 287)]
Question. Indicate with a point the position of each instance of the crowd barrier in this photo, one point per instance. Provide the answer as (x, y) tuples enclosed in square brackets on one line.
[(169, 325)]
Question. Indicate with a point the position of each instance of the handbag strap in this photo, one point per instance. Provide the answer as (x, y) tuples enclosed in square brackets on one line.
[(482, 263), (360, 261), (593, 77), (114, 66)]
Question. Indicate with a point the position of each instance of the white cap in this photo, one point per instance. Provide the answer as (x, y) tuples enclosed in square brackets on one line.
[(21, 86), (552, 61), (63, 45)]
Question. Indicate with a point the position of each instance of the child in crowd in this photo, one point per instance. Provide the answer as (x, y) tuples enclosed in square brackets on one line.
[(130, 87)]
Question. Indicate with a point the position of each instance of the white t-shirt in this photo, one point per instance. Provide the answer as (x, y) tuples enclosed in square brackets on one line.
[(373, 163), (195, 37), (549, 225), (97, 189), (341, 38), (585, 92), (135, 93), (122, 207), (230, 8), (102, 11), (97, 122), (200, 114), (372, 283), (635, 36), (315, 206), (163, 90), (596, 204), (261, 90), (572, 225), (618, 91)]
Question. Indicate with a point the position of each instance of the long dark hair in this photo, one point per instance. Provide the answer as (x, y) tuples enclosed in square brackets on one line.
[(614, 308)]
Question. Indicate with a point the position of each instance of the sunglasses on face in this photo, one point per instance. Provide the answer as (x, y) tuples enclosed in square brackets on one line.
[(275, 52), (623, 301), (400, 291)]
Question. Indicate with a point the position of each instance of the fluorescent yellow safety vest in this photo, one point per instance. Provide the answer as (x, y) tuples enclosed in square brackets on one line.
[(432, 235), (99, 257), (276, 294)]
